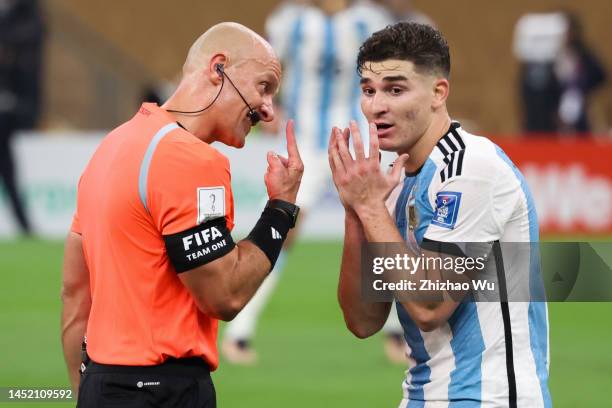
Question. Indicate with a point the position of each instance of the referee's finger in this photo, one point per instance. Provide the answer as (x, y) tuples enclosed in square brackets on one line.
[(292, 148), (283, 160), (273, 160)]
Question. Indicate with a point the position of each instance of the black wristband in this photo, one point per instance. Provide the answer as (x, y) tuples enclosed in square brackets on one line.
[(289, 209), (270, 233)]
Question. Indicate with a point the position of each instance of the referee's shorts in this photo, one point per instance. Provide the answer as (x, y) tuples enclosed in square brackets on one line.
[(182, 383)]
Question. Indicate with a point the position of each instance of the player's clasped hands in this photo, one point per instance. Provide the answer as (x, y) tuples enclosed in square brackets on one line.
[(360, 181), (284, 175)]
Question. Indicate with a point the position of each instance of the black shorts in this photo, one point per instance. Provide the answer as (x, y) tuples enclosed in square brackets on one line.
[(182, 383)]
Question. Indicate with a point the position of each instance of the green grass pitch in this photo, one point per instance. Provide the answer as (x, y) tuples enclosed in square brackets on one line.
[(307, 357)]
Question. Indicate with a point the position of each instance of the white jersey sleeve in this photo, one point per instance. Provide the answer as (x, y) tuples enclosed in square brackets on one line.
[(472, 197), (279, 26)]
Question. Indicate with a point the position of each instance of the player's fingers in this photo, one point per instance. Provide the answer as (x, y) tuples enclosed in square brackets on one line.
[(398, 166), (357, 142), (343, 136), (346, 135), (374, 144), (343, 150), (332, 139), (338, 165), (330, 145), (292, 148)]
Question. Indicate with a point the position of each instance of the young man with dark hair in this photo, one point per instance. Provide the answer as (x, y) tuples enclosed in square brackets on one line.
[(457, 188)]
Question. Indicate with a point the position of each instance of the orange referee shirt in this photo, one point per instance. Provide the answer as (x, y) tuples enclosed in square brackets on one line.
[(151, 186)]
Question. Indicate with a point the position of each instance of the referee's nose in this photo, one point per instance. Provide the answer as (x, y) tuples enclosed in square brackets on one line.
[(266, 111)]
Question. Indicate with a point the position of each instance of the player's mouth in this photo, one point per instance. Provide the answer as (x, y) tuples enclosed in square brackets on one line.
[(384, 129)]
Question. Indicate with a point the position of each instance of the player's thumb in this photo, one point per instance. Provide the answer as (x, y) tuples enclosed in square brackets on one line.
[(398, 166)]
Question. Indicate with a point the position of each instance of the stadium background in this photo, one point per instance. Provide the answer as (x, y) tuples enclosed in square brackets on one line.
[(99, 58)]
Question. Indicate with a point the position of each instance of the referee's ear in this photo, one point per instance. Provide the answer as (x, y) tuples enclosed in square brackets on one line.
[(441, 89), (214, 72)]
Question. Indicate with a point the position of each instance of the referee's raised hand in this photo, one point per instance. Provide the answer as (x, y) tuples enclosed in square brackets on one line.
[(283, 175)]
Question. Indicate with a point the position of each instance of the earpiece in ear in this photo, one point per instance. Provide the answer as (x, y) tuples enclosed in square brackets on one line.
[(219, 69)]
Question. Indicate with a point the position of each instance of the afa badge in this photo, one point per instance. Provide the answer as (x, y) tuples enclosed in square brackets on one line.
[(447, 208)]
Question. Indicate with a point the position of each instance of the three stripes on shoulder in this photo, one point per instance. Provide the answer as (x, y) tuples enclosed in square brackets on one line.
[(453, 149)]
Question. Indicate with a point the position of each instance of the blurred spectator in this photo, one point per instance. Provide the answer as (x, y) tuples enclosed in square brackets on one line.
[(21, 41), (579, 73), (538, 39), (558, 72), (402, 10)]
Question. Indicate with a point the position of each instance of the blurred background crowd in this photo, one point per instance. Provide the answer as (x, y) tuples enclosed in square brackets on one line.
[(520, 69)]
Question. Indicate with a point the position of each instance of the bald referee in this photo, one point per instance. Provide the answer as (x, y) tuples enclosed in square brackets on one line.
[(150, 265)]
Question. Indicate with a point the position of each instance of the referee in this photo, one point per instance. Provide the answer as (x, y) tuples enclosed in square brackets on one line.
[(150, 265)]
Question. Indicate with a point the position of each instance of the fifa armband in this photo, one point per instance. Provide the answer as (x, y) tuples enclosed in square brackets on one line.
[(199, 245), (271, 229)]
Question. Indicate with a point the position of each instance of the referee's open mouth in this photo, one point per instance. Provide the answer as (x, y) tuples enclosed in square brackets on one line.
[(383, 128)]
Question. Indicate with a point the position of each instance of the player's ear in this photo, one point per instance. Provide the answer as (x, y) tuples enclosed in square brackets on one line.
[(441, 88), (215, 67)]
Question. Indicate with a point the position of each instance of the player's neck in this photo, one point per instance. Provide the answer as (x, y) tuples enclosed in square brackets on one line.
[(425, 145)]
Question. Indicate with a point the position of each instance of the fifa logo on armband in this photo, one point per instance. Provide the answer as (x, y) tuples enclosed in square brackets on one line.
[(201, 237)]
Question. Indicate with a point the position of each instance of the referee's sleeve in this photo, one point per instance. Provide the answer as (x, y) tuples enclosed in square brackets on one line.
[(190, 200)]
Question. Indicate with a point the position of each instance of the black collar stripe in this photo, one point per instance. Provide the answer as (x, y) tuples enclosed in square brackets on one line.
[(446, 143), (442, 149), (450, 166), (460, 162), (443, 175), (449, 142), (451, 169), (457, 137)]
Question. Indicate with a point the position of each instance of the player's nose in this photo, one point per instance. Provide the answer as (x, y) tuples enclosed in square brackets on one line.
[(379, 103)]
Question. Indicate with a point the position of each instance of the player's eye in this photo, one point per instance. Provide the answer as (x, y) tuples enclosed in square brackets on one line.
[(367, 91), (396, 90)]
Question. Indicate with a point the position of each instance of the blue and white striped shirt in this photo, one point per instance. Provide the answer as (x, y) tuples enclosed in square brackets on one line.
[(320, 86), (464, 363)]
